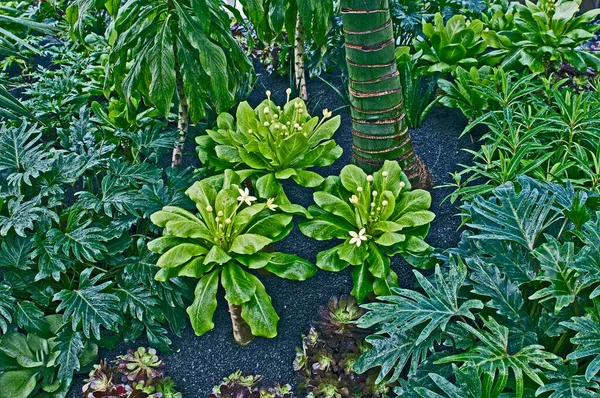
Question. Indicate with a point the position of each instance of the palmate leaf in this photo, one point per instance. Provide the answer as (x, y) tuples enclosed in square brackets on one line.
[(518, 217), (69, 347), (89, 304), (79, 238), (136, 300), (493, 358), (588, 260), (587, 339), (467, 385), (573, 387), (6, 307), (392, 352), (23, 216), (113, 199), (142, 268), (504, 295), (409, 321), (14, 252), (51, 263), (408, 309), (556, 267), (22, 154), (134, 173), (28, 315)]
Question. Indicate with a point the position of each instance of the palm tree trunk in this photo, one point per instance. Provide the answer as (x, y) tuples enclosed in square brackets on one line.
[(379, 130), (241, 331), (299, 71)]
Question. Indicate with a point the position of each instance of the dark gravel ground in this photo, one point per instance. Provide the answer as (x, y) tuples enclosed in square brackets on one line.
[(201, 362)]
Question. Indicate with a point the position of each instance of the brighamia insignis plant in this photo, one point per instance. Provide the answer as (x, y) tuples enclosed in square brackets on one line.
[(378, 216), (228, 234), (272, 144)]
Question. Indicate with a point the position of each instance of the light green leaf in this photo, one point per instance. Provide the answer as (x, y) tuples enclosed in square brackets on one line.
[(205, 303), (249, 243), (259, 313)]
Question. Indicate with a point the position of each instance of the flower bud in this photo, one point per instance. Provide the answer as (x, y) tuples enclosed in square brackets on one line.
[(374, 193), (402, 184), (209, 208), (354, 199), (326, 113), (266, 110), (384, 203), (384, 174), (275, 116), (288, 91), (220, 213), (372, 204), (216, 219), (267, 124), (228, 221), (300, 111), (359, 189), (370, 178)]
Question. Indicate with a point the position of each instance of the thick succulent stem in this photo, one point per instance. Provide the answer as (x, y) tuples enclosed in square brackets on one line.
[(241, 331), (379, 130), (299, 71), (182, 122), (183, 119)]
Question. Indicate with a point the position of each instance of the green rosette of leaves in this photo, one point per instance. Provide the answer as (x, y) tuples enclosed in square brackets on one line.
[(377, 216), (446, 47), (272, 144), (227, 237)]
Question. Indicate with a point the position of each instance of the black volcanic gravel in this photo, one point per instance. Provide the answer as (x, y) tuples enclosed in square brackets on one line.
[(201, 362)]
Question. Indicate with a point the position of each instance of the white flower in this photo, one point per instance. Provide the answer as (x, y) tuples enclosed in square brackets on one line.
[(267, 124), (385, 173), (228, 221), (288, 91), (266, 111), (358, 238), (370, 178), (220, 213), (354, 199), (374, 193), (402, 184), (245, 196), (272, 206), (268, 93), (359, 189), (384, 203), (209, 208), (326, 113)]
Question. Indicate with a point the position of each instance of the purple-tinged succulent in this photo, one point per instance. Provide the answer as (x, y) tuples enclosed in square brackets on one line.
[(100, 383), (239, 385), (137, 374), (140, 364), (339, 317), (324, 364)]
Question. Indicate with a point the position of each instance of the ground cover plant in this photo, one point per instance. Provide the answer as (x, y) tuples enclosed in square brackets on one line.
[(139, 373), (513, 308)]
